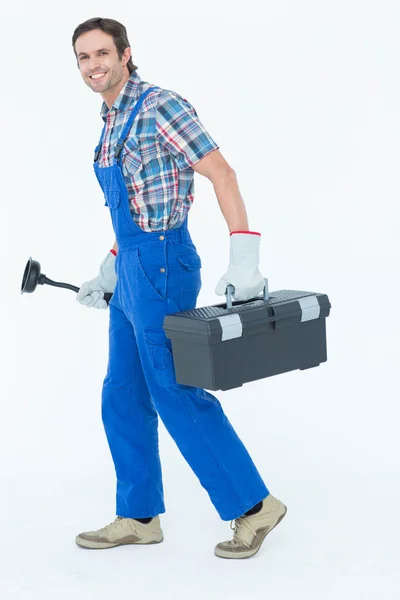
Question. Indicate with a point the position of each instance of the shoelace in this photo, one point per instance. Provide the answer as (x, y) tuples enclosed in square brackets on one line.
[(115, 521), (237, 529)]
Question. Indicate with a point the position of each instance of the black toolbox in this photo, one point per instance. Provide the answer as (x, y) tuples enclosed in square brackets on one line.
[(223, 346)]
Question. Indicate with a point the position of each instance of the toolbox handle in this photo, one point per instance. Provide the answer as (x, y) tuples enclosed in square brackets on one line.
[(230, 290)]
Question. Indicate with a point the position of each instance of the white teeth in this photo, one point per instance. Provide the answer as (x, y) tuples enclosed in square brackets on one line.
[(97, 76)]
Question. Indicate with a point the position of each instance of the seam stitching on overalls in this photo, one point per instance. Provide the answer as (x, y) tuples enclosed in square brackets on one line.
[(136, 412)]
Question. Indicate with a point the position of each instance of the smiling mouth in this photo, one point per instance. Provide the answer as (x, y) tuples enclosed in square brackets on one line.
[(97, 76)]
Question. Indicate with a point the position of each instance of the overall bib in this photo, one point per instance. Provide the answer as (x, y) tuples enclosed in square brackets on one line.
[(159, 273)]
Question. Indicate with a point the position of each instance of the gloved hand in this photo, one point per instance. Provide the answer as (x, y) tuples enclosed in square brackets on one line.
[(243, 272), (91, 293)]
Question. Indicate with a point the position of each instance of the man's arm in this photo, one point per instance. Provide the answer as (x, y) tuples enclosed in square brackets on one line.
[(243, 272), (223, 177), (181, 132)]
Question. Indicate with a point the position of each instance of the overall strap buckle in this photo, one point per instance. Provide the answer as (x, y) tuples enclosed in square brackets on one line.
[(97, 153), (99, 145), (118, 148)]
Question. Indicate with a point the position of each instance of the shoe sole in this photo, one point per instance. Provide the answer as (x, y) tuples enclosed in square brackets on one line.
[(248, 553), (105, 545)]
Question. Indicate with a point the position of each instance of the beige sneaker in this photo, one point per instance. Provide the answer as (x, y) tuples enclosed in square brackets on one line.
[(122, 531), (250, 532)]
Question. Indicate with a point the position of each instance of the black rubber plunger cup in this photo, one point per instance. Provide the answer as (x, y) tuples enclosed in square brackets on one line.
[(33, 277)]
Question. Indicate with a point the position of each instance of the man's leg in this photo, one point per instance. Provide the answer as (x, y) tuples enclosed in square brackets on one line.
[(131, 424), (193, 417)]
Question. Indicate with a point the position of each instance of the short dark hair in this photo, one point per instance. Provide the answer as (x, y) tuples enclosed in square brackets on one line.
[(113, 28)]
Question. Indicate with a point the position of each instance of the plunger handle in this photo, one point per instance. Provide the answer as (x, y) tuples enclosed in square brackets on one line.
[(107, 295)]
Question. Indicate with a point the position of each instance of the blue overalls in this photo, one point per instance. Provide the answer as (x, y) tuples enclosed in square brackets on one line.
[(159, 273)]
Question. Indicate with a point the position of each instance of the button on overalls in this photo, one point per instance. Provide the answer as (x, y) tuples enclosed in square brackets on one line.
[(158, 273)]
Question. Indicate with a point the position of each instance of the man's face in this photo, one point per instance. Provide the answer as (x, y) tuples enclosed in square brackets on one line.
[(97, 56)]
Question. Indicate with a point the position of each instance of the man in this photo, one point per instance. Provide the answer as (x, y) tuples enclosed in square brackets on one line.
[(151, 144)]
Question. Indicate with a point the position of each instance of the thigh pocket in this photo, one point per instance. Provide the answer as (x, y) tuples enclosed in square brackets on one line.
[(160, 352)]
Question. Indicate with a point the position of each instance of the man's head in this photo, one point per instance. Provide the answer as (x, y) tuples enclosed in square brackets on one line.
[(101, 46)]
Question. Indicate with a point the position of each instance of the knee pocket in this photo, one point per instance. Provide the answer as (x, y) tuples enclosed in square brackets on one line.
[(160, 353)]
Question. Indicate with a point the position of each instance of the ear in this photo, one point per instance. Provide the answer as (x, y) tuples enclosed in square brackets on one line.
[(126, 56)]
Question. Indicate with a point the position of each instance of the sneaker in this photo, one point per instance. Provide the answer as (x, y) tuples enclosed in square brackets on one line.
[(250, 532), (122, 531)]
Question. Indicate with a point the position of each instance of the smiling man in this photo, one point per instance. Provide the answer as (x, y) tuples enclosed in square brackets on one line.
[(151, 144)]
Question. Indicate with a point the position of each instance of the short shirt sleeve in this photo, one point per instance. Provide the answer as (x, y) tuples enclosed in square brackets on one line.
[(180, 131)]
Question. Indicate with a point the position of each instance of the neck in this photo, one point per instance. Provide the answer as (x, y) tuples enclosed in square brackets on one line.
[(109, 96)]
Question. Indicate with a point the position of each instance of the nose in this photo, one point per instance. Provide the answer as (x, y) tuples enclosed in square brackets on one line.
[(92, 65)]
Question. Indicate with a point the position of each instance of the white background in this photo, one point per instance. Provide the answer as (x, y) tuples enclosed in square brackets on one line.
[(303, 99)]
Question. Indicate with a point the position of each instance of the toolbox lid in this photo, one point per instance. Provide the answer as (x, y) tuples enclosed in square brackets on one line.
[(283, 308)]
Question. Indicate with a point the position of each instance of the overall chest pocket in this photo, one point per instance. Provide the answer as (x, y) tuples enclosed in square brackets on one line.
[(112, 198)]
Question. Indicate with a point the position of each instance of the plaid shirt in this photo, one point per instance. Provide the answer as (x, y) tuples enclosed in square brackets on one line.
[(165, 140)]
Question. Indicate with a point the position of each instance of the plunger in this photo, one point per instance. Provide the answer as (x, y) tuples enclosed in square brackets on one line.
[(33, 277)]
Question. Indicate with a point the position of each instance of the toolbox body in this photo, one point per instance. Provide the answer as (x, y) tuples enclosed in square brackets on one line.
[(220, 348)]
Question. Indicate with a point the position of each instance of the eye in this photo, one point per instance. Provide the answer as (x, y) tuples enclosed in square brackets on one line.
[(102, 52)]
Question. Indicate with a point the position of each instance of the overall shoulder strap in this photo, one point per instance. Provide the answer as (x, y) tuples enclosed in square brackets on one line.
[(129, 122)]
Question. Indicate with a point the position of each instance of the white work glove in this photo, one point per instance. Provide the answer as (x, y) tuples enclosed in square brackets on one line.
[(91, 293), (243, 272)]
